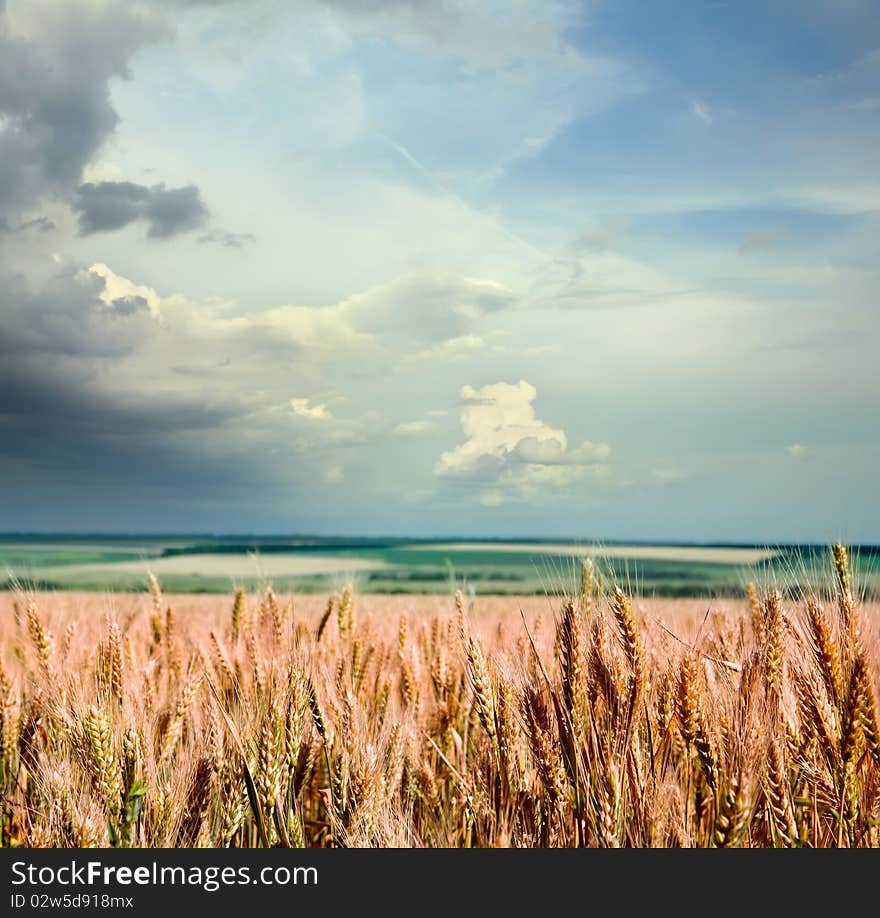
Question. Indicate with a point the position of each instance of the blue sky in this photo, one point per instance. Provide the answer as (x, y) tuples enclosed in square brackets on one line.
[(603, 270)]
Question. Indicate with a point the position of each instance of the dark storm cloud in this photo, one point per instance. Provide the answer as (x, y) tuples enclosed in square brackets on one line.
[(68, 409), (66, 317), (106, 206), (58, 427), (93, 418), (55, 93), (57, 336), (103, 401), (174, 210)]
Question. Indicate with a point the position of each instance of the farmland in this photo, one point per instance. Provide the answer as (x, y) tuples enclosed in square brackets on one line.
[(313, 565)]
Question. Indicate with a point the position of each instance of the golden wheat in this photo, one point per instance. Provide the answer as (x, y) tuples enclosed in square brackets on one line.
[(370, 722)]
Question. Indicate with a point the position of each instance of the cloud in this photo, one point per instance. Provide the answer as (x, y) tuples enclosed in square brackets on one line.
[(56, 64), (415, 317), (37, 224), (304, 409), (125, 347), (701, 110), (78, 412), (226, 239), (106, 386), (428, 307), (129, 305), (452, 349), (507, 445), (115, 287), (413, 428), (483, 35), (798, 451), (71, 317), (538, 450), (106, 206)]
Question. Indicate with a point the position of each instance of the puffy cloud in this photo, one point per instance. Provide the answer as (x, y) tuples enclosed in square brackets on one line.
[(106, 206), (427, 307), (414, 317), (538, 451), (116, 288), (507, 445), (302, 407)]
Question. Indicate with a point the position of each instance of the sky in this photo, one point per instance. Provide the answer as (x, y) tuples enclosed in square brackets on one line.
[(602, 270)]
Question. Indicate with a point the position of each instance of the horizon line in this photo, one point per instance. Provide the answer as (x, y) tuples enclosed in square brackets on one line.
[(9, 535)]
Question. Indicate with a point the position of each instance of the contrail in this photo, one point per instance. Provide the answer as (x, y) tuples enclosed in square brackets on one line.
[(441, 186)]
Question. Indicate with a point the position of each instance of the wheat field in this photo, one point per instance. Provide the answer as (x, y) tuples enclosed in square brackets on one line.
[(594, 719)]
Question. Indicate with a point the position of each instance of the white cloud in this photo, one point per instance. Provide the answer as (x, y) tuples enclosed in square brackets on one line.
[(101, 171), (702, 111), (507, 445), (117, 287), (452, 349), (304, 408), (798, 451), (426, 306), (484, 36), (413, 428), (414, 310)]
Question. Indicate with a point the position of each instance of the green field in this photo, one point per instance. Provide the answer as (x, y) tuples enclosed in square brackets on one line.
[(213, 565)]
